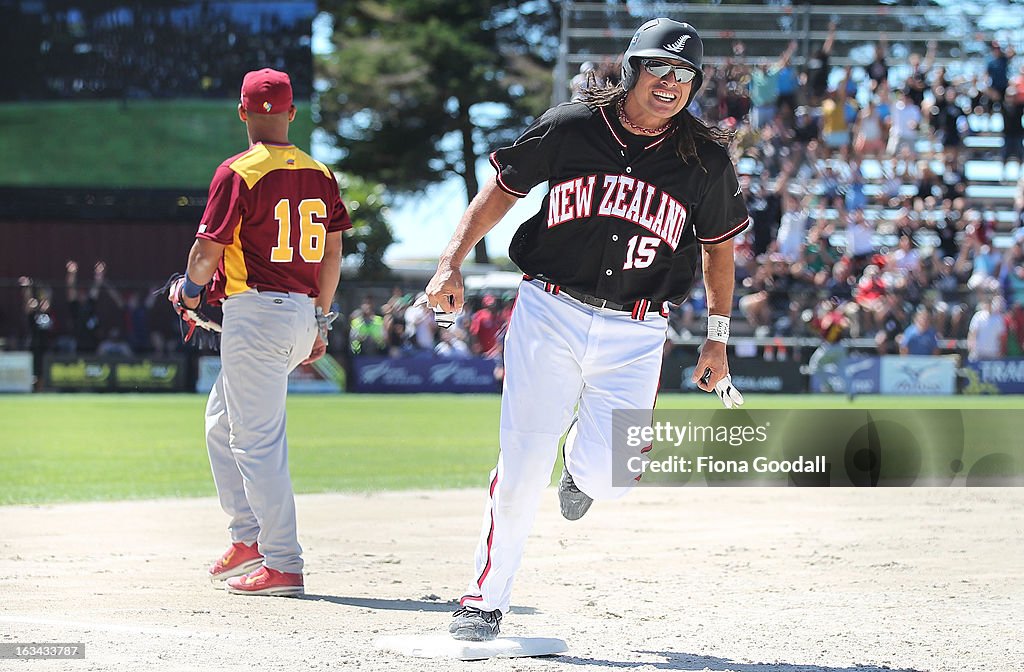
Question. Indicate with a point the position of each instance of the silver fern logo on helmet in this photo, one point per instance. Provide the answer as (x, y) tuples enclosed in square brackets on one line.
[(678, 45)]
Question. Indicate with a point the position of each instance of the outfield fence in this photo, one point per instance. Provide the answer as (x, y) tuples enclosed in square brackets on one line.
[(790, 371)]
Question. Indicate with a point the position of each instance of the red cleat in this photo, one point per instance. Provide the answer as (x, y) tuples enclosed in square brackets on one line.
[(238, 560), (267, 581)]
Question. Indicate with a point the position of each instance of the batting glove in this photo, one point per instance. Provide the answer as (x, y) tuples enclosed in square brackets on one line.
[(730, 396), (441, 318), (325, 322)]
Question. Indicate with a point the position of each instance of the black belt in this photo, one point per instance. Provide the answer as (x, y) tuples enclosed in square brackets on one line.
[(595, 301), (587, 299)]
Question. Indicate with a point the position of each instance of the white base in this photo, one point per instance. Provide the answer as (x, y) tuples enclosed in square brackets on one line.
[(443, 646)]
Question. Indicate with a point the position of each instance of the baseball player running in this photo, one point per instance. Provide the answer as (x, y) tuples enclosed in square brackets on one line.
[(269, 246), (639, 190)]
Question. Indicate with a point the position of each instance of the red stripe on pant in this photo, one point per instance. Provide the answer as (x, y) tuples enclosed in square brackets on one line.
[(490, 540), (657, 389)]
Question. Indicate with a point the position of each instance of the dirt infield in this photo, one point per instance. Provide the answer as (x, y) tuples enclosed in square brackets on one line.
[(749, 580)]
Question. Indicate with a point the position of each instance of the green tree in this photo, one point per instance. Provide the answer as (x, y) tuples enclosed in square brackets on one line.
[(370, 235), (419, 90)]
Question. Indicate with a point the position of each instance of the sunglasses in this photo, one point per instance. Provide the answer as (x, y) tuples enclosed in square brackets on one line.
[(659, 69)]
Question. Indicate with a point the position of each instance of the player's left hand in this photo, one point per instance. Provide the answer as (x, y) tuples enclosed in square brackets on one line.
[(318, 350), (324, 322), (711, 367), (727, 392), (712, 374)]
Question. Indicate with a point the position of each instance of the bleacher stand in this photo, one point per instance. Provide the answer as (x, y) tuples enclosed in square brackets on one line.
[(882, 198)]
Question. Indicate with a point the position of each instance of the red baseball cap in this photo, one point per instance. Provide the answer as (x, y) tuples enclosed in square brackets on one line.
[(266, 91)]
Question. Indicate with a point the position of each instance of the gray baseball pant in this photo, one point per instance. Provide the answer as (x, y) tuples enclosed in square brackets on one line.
[(266, 335)]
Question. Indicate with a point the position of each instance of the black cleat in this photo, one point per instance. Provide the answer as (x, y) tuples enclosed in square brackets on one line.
[(573, 502), (470, 624)]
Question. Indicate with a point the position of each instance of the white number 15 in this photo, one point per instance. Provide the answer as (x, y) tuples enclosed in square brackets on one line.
[(640, 251)]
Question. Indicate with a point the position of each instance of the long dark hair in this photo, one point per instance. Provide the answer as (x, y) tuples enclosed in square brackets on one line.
[(688, 127)]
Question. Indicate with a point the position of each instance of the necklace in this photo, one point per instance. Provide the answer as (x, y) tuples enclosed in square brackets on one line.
[(620, 108)]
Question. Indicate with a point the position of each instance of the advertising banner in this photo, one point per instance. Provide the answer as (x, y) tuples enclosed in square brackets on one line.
[(206, 376), (68, 372), (917, 375), (15, 371), (324, 376), (115, 374), (851, 375), (995, 376), (749, 374), (424, 374), (150, 374)]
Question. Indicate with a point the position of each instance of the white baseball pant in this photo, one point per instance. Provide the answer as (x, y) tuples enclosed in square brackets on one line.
[(558, 352)]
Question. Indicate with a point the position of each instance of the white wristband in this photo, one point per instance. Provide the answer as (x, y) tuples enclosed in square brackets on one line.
[(718, 328)]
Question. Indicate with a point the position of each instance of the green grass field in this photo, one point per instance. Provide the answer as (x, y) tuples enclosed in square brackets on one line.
[(76, 447), (141, 143)]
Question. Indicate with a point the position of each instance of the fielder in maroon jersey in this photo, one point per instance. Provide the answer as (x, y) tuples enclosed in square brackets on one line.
[(269, 248)]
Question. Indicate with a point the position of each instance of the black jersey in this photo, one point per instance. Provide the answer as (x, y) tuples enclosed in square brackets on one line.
[(624, 217)]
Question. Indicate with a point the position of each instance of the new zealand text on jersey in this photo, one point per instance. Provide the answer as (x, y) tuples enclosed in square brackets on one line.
[(623, 197)]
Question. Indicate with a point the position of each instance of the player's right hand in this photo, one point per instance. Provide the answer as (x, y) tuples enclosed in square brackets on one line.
[(445, 290), (176, 296)]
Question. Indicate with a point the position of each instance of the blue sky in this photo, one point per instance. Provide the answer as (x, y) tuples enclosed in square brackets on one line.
[(424, 223)]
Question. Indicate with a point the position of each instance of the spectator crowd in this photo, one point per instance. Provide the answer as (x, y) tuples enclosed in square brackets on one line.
[(403, 327), (167, 50), (94, 318)]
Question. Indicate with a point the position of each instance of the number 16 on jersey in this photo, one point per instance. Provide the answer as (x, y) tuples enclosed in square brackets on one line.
[(312, 232)]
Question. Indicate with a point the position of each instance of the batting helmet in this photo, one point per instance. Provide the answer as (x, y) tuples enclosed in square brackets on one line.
[(664, 38)]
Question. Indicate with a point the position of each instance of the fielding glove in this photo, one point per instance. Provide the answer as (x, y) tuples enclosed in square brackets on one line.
[(190, 317)]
